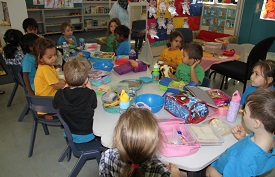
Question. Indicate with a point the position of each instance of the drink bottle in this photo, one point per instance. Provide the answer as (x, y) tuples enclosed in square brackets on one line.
[(81, 43), (132, 55), (233, 107), (124, 101), (66, 50), (155, 73)]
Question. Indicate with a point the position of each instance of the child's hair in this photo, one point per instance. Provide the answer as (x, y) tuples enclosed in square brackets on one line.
[(27, 41), (76, 71), (64, 25), (122, 30), (12, 39), (261, 104), (268, 70), (173, 36), (136, 136), (116, 20), (29, 23), (194, 51), (40, 46)]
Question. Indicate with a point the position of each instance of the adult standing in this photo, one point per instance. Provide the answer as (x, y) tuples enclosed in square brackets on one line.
[(119, 10)]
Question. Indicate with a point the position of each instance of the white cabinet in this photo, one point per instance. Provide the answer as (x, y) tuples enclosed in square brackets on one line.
[(96, 13)]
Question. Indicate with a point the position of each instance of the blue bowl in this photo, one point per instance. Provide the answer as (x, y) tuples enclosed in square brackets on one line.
[(85, 54), (154, 101), (105, 66)]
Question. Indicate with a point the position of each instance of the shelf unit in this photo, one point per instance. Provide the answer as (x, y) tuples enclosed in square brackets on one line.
[(38, 15)]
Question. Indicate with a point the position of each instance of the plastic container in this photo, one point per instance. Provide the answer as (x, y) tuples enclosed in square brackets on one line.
[(66, 50), (213, 47), (233, 107), (132, 55), (155, 73), (154, 101), (124, 101), (105, 66), (81, 43)]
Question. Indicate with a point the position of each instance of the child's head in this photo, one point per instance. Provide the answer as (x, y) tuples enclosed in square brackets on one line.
[(12, 39), (30, 25), (175, 40), (260, 108), (122, 33), (76, 71), (67, 29), (27, 42), (191, 53), (263, 74), (113, 23), (45, 51), (136, 136)]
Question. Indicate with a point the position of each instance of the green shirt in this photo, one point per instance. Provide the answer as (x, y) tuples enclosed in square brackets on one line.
[(109, 42), (183, 73)]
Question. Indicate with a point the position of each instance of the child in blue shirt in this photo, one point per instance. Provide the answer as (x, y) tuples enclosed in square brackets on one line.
[(29, 65), (254, 154), (67, 35), (263, 76), (122, 34)]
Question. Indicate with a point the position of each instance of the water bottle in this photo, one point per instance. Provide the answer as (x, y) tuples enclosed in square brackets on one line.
[(81, 43), (124, 101), (66, 50), (233, 107), (155, 73), (132, 55)]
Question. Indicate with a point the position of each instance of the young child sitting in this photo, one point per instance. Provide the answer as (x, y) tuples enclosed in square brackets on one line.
[(46, 81), (28, 64), (122, 34), (263, 76), (136, 142), (254, 154), (30, 26), (67, 35), (190, 70), (172, 56), (77, 101)]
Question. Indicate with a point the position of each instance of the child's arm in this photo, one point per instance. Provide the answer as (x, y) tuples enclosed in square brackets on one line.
[(193, 74), (212, 172), (27, 83), (238, 132), (61, 84), (88, 84)]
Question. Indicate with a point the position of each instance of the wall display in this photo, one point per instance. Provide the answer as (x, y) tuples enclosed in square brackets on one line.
[(268, 10), (38, 2)]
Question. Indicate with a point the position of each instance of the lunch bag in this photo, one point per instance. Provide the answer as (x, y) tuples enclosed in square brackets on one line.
[(186, 106), (176, 139)]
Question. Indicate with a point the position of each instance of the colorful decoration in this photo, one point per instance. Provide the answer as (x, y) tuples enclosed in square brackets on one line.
[(161, 21), (185, 23), (268, 10), (152, 9), (152, 31), (172, 9), (162, 6), (185, 7), (170, 26)]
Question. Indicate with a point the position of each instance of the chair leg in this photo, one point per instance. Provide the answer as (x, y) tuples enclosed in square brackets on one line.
[(226, 83), (23, 113), (12, 94), (78, 166), (222, 82), (244, 85), (67, 153), (46, 130), (34, 128)]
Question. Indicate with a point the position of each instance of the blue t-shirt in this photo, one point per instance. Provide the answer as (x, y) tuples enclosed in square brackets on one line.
[(62, 39), (123, 48), (248, 91), (29, 66), (245, 159)]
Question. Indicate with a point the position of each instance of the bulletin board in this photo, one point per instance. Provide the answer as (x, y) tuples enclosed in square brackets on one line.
[(218, 19)]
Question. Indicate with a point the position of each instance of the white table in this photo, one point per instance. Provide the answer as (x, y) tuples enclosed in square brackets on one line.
[(105, 122)]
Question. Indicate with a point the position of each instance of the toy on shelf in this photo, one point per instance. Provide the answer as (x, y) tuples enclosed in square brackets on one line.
[(162, 6), (152, 31), (172, 9), (161, 21), (152, 9), (185, 7), (185, 23), (170, 26)]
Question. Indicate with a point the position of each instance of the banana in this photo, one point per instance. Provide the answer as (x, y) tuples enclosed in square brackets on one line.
[(111, 104)]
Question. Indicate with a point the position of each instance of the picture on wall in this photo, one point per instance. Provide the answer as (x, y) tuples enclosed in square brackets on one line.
[(38, 2), (268, 10)]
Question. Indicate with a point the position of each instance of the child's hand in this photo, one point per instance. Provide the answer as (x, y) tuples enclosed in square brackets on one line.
[(238, 132), (71, 41), (175, 172), (195, 63)]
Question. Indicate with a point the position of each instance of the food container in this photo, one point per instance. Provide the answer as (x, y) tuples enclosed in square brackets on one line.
[(212, 47), (102, 56), (205, 134), (104, 65), (154, 101)]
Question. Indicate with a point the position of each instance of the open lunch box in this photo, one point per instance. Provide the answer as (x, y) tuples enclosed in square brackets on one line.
[(99, 56)]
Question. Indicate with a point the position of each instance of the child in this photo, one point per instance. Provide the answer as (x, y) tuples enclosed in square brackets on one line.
[(254, 154), (67, 35), (136, 142), (110, 39), (29, 64), (172, 56), (12, 54), (77, 101), (30, 26), (46, 81), (122, 34), (263, 76), (190, 70)]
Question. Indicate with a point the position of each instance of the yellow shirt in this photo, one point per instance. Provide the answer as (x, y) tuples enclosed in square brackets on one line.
[(173, 56), (45, 77)]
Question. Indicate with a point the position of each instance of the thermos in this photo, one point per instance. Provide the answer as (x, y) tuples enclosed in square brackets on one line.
[(233, 107), (155, 73), (124, 101)]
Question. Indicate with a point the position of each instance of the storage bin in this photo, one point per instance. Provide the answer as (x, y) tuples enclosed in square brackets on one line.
[(74, 20), (213, 47)]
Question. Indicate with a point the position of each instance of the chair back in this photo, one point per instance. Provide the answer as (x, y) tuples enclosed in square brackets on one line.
[(239, 50), (205, 82), (41, 104), (21, 82), (258, 52), (246, 50), (137, 27), (186, 33)]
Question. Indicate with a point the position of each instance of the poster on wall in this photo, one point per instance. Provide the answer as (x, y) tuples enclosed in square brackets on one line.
[(38, 2), (268, 10)]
